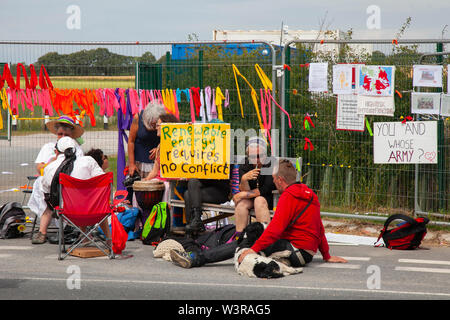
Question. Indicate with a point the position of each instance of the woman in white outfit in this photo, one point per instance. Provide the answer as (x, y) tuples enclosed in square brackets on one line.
[(63, 126)]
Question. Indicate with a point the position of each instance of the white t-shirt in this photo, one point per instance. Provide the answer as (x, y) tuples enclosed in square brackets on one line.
[(84, 167), (47, 152)]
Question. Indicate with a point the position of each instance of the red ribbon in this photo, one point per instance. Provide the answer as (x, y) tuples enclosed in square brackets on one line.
[(44, 79), (307, 118), (7, 76), (24, 72), (304, 65), (408, 118), (286, 67), (308, 145), (196, 98)]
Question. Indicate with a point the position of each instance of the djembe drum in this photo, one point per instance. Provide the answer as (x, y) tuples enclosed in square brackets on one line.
[(148, 193)]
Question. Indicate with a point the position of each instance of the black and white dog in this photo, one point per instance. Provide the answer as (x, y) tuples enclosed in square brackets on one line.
[(258, 265)]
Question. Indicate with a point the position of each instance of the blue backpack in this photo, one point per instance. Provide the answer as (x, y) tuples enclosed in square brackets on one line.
[(128, 219)]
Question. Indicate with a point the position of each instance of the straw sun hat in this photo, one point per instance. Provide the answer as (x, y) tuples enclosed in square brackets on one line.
[(77, 130)]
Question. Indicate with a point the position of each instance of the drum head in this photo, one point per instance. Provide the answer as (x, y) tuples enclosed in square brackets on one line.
[(151, 185)]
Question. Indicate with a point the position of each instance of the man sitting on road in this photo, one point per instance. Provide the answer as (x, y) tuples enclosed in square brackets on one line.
[(303, 238)]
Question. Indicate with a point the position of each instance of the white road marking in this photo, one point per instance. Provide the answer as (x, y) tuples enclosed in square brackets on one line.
[(339, 265), (16, 247), (193, 284), (5, 255), (424, 261), (357, 258), (416, 269)]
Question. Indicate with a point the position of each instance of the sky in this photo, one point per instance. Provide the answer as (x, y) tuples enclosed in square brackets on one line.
[(174, 20)]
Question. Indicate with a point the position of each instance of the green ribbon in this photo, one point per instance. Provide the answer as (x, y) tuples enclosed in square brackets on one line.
[(368, 127)]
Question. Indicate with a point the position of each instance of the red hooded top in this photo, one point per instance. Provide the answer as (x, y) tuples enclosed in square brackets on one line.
[(307, 233)]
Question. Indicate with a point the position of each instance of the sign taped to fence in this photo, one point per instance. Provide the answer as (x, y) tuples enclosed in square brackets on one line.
[(318, 77), (347, 117), (377, 106), (425, 102), (427, 76), (445, 105), (345, 78), (405, 143), (376, 81), (199, 150)]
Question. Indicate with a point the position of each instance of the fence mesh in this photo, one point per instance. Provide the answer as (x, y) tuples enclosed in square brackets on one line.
[(341, 167), (92, 66)]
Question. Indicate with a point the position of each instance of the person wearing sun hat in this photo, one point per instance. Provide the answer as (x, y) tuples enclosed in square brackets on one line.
[(61, 127), (68, 162)]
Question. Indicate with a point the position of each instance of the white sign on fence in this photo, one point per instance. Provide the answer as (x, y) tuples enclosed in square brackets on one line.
[(405, 143)]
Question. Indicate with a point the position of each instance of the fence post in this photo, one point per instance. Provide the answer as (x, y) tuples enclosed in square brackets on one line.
[(168, 71), (286, 93), (200, 68), (441, 151)]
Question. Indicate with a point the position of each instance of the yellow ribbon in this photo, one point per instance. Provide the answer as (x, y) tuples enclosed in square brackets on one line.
[(219, 98), (5, 104), (263, 77), (254, 95), (167, 96)]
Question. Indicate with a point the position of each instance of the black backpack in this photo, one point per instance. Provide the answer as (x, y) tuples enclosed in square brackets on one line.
[(12, 220), (209, 239), (407, 236)]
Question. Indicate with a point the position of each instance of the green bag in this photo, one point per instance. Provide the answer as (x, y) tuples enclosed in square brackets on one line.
[(157, 224)]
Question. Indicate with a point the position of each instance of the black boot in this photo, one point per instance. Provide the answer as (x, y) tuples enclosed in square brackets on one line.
[(196, 224)]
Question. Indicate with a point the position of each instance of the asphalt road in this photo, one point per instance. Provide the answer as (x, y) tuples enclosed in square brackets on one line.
[(33, 272)]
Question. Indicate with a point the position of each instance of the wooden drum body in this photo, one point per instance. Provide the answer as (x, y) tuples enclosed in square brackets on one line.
[(148, 193)]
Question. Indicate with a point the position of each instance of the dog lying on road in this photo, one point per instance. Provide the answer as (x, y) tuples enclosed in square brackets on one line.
[(258, 265)]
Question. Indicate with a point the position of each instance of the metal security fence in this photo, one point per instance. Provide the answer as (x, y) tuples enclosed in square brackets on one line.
[(341, 167), (139, 66)]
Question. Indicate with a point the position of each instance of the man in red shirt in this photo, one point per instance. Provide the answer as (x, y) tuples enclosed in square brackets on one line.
[(306, 234), (303, 236)]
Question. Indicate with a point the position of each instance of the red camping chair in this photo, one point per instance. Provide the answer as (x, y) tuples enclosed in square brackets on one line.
[(86, 203)]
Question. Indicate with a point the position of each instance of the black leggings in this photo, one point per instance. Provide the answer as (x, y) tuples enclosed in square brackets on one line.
[(284, 244), (198, 191), (226, 251)]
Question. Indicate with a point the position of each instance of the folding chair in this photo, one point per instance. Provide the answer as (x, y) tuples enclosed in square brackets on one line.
[(85, 203)]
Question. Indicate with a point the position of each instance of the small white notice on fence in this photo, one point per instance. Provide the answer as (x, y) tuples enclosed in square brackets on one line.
[(405, 143)]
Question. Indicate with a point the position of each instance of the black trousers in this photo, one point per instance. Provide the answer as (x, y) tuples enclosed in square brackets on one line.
[(198, 191), (226, 251)]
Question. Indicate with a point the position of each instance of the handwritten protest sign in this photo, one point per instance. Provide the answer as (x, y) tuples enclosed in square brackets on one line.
[(195, 150), (405, 143)]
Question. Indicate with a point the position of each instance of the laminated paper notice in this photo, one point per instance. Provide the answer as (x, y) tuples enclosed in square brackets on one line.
[(345, 79), (378, 106), (425, 102), (347, 117), (427, 76), (318, 77), (445, 105)]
